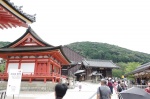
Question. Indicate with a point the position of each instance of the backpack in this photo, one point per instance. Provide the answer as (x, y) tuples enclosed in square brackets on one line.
[(119, 89)]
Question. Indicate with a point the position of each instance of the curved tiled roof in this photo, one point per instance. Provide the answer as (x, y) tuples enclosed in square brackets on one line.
[(18, 9), (99, 63), (29, 30), (33, 49), (28, 49)]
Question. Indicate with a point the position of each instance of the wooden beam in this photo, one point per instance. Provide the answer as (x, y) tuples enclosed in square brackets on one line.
[(8, 25), (4, 26), (1, 27), (13, 25)]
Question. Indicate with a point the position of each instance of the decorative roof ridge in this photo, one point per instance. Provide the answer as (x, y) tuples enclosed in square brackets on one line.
[(19, 10), (29, 30), (98, 60)]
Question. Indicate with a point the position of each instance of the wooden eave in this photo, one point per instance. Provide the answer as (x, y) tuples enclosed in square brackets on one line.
[(11, 16), (52, 51)]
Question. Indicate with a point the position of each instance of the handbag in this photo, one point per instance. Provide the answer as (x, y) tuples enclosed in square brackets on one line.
[(100, 93)]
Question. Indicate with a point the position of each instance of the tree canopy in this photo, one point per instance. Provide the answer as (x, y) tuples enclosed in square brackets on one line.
[(95, 50), (3, 43)]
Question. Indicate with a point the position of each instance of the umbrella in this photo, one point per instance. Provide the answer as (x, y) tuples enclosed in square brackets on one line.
[(135, 93)]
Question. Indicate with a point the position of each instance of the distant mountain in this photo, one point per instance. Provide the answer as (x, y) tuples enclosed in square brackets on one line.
[(97, 50), (4, 43)]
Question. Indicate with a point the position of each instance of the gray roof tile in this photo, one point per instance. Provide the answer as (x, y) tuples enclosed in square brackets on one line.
[(99, 63)]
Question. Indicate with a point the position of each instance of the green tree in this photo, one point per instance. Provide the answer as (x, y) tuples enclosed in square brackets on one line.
[(117, 73), (131, 66), (106, 51), (125, 68), (121, 71), (2, 67)]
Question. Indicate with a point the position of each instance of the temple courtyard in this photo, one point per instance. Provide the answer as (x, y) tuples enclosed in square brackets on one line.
[(88, 92)]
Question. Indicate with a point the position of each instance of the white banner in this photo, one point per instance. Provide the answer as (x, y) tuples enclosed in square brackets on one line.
[(14, 82)]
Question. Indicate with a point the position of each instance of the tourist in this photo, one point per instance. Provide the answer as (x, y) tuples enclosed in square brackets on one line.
[(80, 85), (122, 85), (110, 85), (115, 85), (60, 91), (119, 87), (103, 92), (126, 84), (148, 88)]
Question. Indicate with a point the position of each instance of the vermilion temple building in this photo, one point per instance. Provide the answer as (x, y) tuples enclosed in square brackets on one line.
[(13, 16), (38, 59)]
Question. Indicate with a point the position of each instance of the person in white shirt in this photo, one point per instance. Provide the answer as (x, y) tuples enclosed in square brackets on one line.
[(80, 85)]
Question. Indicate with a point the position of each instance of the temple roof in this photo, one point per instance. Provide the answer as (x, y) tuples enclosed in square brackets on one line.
[(29, 31), (13, 16), (28, 49), (139, 69), (72, 55), (99, 63), (18, 9), (31, 37)]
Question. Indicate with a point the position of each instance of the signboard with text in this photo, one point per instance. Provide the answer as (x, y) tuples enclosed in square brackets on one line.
[(14, 82)]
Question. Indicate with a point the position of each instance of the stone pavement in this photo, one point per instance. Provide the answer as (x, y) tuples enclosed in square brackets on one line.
[(88, 90)]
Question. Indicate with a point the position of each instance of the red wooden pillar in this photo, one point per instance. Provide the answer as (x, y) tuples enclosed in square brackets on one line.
[(19, 64), (48, 66), (44, 80), (35, 68), (52, 72), (53, 77), (30, 80)]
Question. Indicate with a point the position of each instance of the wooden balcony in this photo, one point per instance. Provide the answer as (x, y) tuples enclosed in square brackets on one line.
[(54, 77)]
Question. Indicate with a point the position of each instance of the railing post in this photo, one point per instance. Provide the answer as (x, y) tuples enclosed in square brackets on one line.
[(44, 80)]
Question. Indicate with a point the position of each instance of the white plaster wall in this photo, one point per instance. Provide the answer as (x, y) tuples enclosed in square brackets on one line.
[(12, 66), (27, 68)]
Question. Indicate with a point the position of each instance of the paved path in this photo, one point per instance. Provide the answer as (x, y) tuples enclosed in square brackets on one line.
[(88, 90)]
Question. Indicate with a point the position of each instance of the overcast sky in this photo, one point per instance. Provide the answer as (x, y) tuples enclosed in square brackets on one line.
[(125, 23)]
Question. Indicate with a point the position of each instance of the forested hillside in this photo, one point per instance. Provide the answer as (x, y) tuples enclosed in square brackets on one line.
[(3, 43), (97, 50)]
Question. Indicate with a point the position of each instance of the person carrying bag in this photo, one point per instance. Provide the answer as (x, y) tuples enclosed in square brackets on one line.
[(103, 91)]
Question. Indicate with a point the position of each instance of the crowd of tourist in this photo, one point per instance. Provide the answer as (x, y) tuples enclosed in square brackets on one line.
[(103, 92), (119, 85)]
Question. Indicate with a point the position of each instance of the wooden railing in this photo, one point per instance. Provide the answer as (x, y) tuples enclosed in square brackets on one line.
[(34, 74), (39, 75)]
